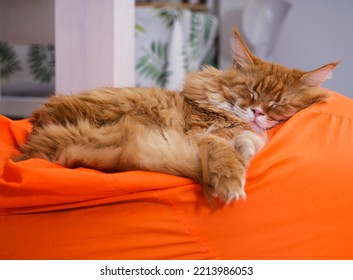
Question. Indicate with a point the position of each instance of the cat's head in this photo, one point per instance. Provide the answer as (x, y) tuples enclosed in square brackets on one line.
[(271, 93), (261, 92)]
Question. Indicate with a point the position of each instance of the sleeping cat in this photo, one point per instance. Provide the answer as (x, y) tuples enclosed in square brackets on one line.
[(209, 131)]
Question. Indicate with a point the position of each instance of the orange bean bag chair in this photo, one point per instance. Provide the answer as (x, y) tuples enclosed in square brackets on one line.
[(299, 202)]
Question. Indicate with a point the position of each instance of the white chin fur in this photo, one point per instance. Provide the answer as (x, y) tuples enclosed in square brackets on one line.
[(264, 123), (256, 128)]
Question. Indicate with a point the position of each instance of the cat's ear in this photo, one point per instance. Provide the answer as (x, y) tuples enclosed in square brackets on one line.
[(318, 76), (241, 54)]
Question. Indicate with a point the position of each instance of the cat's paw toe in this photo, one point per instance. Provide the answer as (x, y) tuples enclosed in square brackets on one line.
[(228, 189)]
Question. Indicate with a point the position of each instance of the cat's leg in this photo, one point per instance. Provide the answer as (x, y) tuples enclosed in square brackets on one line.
[(223, 168), (224, 163), (48, 142), (247, 144)]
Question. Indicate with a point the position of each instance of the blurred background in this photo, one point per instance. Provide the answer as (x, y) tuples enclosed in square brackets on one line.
[(175, 37)]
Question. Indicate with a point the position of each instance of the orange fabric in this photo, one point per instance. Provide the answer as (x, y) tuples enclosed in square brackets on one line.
[(299, 202)]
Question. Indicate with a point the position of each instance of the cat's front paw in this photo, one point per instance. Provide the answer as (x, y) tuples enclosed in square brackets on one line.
[(229, 188)]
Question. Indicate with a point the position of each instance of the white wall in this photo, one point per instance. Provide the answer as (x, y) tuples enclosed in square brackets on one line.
[(27, 22), (94, 44), (317, 32)]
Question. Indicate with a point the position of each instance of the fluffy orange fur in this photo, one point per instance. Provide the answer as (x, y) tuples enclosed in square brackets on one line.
[(208, 132)]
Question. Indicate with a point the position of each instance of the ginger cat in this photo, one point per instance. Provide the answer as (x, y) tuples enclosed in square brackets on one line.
[(209, 131)]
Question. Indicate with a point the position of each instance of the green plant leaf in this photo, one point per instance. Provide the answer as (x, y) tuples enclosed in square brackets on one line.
[(139, 28), (210, 59), (195, 35), (154, 64), (9, 64), (169, 15), (185, 59), (41, 59), (208, 24)]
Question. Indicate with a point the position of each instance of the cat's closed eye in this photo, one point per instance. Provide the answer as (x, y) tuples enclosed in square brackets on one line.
[(273, 105), (253, 95)]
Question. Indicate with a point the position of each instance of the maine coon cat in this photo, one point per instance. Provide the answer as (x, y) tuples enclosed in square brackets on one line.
[(209, 131)]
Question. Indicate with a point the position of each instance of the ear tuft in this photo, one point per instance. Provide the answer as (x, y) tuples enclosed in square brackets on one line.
[(318, 76), (241, 54)]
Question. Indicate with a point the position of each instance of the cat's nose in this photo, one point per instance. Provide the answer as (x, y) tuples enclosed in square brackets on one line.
[(257, 112)]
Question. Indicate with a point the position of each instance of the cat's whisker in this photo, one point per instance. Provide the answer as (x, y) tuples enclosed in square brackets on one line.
[(244, 114)]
